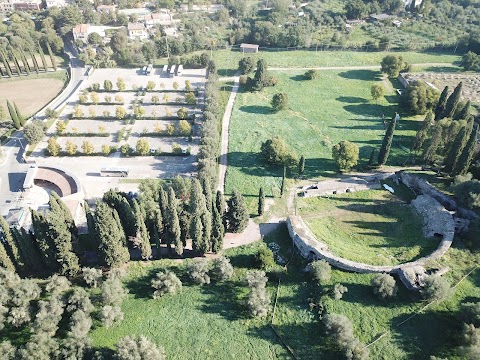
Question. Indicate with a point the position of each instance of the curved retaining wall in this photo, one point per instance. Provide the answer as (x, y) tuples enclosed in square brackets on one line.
[(310, 247)]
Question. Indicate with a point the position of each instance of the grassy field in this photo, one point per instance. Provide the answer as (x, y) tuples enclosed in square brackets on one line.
[(227, 60), (373, 227), (210, 322), (336, 106), (33, 92)]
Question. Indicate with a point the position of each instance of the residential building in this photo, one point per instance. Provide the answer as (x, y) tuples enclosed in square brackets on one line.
[(6, 7), (33, 5), (139, 13), (80, 32), (55, 3), (161, 18), (137, 31)]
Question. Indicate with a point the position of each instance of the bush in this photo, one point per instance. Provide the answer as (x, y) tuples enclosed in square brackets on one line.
[(418, 98), (279, 101), (311, 74), (436, 288), (243, 80), (276, 151), (221, 269), (165, 282), (258, 301), (138, 347), (338, 291), (264, 258), (53, 147), (384, 286), (246, 65), (34, 132), (468, 193), (321, 271), (142, 147), (111, 315), (471, 313), (182, 113), (198, 271), (345, 154), (92, 276), (392, 65), (113, 291)]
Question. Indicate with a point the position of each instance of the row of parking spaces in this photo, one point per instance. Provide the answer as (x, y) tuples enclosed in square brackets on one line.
[(113, 126), (158, 143), (149, 110), (130, 97)]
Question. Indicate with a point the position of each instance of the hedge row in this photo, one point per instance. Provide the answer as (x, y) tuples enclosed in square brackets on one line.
[(113, 118)]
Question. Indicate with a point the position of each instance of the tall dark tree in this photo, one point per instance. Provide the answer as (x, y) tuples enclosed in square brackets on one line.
[(220, 203), (15, 60), (34, 60), (20, 117), (464, 112), (301, 165), (26, 66), (197, 234), (5, 261), (217, 231), (207, 191), (442, 102), (465, 158), (6, 64), (174, 232), (260, 77), (44, 241), (371, 159), (422, 134), (452, 101), (13, 115), (387, 141), (433, 144), (9, 244), (457, 147), (52, 57), (237, 214), (124, 210), (282, 187), (261, 201), (110, 235), (141, 237), (32, 258), (205, 246), (158, 232), (42, 56)]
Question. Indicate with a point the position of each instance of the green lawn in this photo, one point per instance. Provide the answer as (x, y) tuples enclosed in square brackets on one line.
[(210, 322), (373, 227), (227, 60), (337, 106)]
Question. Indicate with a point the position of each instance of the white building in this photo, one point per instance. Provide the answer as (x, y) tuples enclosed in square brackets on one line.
[(7, 6), (161, 18), (55, 3), (137, 31)]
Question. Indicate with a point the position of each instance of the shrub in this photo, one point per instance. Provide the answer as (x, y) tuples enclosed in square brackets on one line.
[(111, 315), (384, 286), (258, 301), (113, 291), (198, 271), (184, 127), (165, 282), (125, 149), (106, 150), (279, 101), (243, 80), (34, 132), (435, 288), (142, 147), (264, 258), (377, 91), (91, 276), (471, 313), (246, 65), (418, 98), (345, 154), (61, 126), (53, 147), (70, 148), (338, 291), (176, 149), (311, 74), (271, 81), (138, 347), (468, 193), (190, 98), (182, 113), (87, 147), (321, 270), (221, 269)]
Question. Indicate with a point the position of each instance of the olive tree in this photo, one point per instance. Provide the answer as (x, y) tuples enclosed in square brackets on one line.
[(34, 132), (321, 271), (221, 269), (138, 347), (345, 154), (165, 282), (279, 101), (198, 271), (384, 286)]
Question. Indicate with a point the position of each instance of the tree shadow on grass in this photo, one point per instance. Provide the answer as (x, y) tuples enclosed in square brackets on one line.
[(374, 110), (257, 109), (429, 333), (298, 78), (351, 99), (362, 74)]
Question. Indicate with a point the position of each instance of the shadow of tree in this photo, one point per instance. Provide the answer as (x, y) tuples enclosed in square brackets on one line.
[(257, 109), (361, 74), (351, 99)]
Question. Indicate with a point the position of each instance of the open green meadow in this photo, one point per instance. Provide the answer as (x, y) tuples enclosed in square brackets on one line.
[(373, 226), (227, 60), (322, 112), (210, 321)]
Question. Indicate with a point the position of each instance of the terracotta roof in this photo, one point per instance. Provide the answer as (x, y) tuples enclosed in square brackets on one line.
[(80, 29), (136, 26)]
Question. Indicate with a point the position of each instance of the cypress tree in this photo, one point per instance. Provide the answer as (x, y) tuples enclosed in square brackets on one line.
[(34, 60), (465, 158), (162, 203), (17, 64), (113, 252), (301, 165), (237, 215), (91, 226), (442, 102), (9, 244), (123, 238), (198, 205), (431, 149), (42, 56), (282, 188), (371, 160), (217, 231), (464, 113), (207, 192), (261, 201), (457, 147), (422, 133), (24, 61), (52, 57), (58, 207), (124, 210), (220, 203), (141, 235), (452, 101), (32, 258), (5, 261), (44, 242), (260, 77), (207, 232), (6, 64), (158, 232), (13, 115), (387, 142), (197, 234), (174, 232), (21, 119)]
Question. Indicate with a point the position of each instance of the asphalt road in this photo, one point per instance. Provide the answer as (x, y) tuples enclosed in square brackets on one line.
[(12, 166)]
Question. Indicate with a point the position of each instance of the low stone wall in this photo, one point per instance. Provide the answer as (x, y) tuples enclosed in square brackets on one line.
[(423, 187)]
